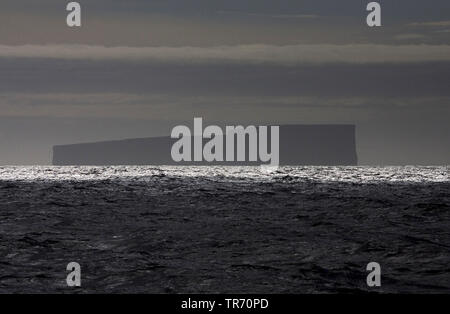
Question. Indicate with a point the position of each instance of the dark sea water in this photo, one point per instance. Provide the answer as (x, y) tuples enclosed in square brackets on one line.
[(224, 229)]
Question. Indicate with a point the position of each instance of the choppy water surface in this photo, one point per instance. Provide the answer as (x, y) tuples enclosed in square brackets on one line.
[(224, 229)]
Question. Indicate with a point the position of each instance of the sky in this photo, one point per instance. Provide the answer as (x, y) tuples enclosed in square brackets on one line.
[(136, 68)]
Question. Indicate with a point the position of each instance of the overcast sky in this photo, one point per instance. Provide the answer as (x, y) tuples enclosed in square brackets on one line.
[(136, 68)]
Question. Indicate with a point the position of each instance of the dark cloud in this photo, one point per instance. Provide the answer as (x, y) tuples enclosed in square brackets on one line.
[(399, 8), (388, 80), (200, 23)]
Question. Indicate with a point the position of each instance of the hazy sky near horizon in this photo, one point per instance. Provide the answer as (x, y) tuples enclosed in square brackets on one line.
[(136, 68)]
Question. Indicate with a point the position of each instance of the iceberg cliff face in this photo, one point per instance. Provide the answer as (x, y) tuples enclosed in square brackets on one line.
[(315, 145)]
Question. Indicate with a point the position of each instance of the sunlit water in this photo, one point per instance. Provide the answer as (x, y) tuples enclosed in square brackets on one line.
[(321, 174), (224, 229)]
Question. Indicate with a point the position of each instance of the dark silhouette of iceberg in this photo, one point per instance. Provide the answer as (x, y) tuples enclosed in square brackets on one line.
[(325, 145)]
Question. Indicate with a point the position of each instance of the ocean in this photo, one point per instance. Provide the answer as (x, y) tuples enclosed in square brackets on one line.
[(224, 229)]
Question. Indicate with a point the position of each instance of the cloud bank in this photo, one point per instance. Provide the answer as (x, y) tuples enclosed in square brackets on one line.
[(431, 24), (245, 54), (161, 106)]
